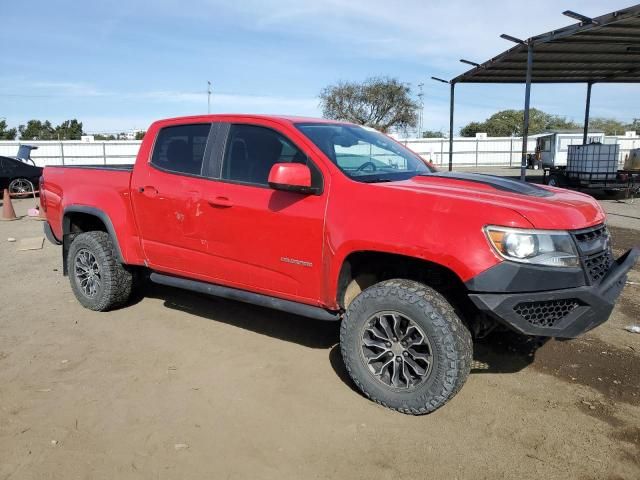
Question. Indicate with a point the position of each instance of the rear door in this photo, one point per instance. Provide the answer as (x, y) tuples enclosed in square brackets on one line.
[(167, 193)]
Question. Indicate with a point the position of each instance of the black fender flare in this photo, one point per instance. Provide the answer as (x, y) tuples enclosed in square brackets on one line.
[(66, 230)]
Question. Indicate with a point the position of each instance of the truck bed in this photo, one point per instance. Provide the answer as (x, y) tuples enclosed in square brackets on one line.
[(105, 187), (126, 168)]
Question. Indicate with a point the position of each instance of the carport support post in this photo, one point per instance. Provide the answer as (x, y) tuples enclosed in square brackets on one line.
[(585, 134), (451, 99), (527, 98)]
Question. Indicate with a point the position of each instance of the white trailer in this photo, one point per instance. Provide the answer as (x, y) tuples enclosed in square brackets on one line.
[(552, 147)]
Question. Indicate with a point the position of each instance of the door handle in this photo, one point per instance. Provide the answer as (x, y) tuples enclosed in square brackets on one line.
[(223, 202), (148, 190)]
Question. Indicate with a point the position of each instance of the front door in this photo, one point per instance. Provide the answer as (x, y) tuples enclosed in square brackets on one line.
[(263, 239)]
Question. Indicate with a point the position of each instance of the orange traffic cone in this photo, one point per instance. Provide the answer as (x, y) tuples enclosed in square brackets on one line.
[(8, 213)]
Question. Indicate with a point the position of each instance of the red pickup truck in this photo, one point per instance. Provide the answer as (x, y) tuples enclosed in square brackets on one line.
[(334, 221)]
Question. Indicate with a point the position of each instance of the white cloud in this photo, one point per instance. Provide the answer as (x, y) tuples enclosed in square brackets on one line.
[(440, 31), (230, 101), (164, 104), (421, 37), (62, 88)]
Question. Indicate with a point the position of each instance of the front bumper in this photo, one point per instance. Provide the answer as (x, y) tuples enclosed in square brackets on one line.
[(563, 313)]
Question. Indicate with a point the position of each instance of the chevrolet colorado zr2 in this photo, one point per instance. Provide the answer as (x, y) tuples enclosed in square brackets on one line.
[(334, 221)]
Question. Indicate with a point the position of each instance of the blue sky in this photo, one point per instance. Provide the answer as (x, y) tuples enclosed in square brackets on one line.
[(119, 65)]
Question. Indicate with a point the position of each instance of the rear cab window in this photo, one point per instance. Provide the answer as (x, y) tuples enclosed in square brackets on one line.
[(181, 148)]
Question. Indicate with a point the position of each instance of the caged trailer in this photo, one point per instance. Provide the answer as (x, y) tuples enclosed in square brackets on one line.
[(594, 167)]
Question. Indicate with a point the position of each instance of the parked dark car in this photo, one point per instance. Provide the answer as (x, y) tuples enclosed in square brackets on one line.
[(19, 177)]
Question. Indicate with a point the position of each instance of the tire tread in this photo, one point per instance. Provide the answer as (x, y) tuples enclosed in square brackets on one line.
[(117, 280), (454, 337)]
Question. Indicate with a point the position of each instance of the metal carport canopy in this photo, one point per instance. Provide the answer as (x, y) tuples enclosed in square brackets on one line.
[(603, 49)]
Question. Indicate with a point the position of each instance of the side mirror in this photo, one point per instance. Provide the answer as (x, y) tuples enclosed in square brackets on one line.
[(291, 177)]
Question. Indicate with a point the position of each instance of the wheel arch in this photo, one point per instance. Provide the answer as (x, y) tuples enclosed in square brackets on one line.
[(82, 218), (366, 267)]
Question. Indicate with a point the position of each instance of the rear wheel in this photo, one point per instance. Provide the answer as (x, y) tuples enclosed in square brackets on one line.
[(98, 280), (404, 346)]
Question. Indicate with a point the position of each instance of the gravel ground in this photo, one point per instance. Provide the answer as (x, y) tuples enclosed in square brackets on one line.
[(178, 385)]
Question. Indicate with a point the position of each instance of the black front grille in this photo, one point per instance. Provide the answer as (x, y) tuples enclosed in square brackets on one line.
[(591, 234), (546, 314), (595, 251), (598, 265)]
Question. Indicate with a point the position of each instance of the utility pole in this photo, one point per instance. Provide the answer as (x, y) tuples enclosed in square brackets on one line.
[(208, 96), (420, 117)]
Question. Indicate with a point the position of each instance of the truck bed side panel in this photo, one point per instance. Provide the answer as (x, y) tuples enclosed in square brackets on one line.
[(106, 190)]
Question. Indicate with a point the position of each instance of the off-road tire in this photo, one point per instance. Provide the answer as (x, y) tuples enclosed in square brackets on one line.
[(449, 338), (116, 280)]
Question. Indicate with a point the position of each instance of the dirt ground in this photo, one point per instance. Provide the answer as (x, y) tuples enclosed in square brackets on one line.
[(180, 386)]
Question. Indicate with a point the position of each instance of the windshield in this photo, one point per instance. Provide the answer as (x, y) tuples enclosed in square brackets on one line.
[(364, 154)]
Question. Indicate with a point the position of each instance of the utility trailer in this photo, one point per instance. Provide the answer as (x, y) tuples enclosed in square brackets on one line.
[(593, 167), (552, 147)]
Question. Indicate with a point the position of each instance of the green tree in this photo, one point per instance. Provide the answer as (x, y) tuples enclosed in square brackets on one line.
[(99, 136), (140, 135), (472, 128), (432, 134), (7, 133), (381, 103), (69, 130), (509, 122), (36, 130), (609, 126)]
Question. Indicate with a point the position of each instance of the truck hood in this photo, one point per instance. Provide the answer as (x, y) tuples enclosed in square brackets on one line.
[(543, 206)]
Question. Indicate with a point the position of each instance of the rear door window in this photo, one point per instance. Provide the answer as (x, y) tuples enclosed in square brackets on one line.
[(181, 148)]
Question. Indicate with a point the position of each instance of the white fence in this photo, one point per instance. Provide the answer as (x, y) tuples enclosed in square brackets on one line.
[(492, 151), (77, 153)]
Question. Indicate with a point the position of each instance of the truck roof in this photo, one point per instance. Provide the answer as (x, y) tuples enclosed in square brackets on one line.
[(240, 116)]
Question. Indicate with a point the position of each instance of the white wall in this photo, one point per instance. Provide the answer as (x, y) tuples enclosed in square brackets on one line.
[(498, 151)]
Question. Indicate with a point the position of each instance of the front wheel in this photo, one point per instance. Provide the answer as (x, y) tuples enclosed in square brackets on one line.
[(98, 280), (405, 347)]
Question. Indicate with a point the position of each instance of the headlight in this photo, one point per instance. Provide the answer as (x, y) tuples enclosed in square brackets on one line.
[(537, 247)]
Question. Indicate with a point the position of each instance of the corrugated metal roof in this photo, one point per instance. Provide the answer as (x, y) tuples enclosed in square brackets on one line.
[(604, 51)]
